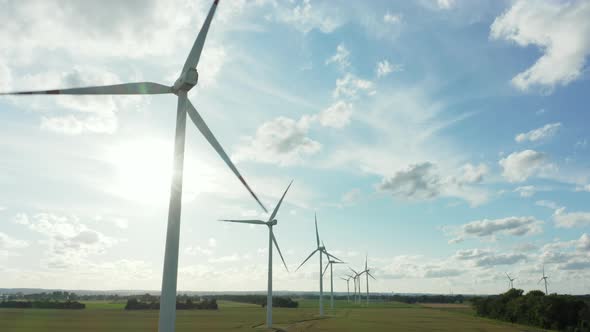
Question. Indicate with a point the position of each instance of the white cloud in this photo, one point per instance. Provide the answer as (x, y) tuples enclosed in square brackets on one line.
[(349, 85), (442, 272), (547, 204), (384, 68), (560, 29), (583, 188), (197, 251), (351, 196), (305, 18), (392, 18), (341, 58), (7, 242), (212, 242), (336, 115), (472, 173), (500, 259), (565, 219), (515, 226), (446, 4), (545, 132), (69, 241), (519, 166), (526, 191), (282, 141)]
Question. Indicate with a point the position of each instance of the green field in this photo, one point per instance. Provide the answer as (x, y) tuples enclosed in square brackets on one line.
[(232, 316)]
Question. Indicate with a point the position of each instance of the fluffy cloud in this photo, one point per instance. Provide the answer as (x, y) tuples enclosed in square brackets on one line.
[(336, 115), (282, 141), (341, 58), (7, 242), (446, 4), (305, 18), (565, 219), (349, 86), (423, 181), (417, 181), (442, 273), (560, 29), (519, 166), (526, 191), (486, 258), (545, 132), (384, 68), (69, 241), (392, 18), (515, 226)]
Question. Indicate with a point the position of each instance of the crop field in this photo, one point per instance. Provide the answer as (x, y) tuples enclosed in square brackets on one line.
[(232, 316)]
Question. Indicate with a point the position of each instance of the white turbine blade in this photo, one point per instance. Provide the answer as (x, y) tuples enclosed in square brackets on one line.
[(317, 235), (308, 257), (274, 213), (332, 256), (257, 222), (141, 88), (193, 57), (279, 250), (507, 275), (540, 280), (370, 275), (353, 271), (200, 123), (327, 265)]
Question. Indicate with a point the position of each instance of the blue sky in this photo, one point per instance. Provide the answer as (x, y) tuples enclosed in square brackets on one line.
[(447, 139)]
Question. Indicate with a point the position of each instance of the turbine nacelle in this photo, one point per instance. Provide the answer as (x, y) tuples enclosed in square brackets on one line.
[(272, 222), (186, 81)]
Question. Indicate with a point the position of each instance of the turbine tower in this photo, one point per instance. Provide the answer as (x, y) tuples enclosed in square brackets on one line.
[(510, 280), (347, 279), (367, 274), (322, 250), (185, 82), (545, 279), (271, 239), (355, 278), (330, 264)]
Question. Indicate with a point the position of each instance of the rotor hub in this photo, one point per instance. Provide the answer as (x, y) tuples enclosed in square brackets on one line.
[(272, 222), (186, 81)]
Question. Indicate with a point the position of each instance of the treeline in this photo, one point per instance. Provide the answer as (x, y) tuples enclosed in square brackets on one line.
[(424, 298), (559, 312), (277, 301), (42, 304), (188, 304)]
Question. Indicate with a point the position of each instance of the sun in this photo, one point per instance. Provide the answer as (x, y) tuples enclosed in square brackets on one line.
[(142, 169)]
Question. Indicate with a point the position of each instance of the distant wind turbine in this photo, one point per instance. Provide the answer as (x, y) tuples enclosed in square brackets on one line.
[(322, 251), (271, 239), (330, 264), (367, 274), (356, 284), (545, 279), (187, 80), (347, 279), (510, 280)]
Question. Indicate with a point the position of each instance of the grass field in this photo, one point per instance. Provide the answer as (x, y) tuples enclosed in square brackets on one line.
[(232, 316)]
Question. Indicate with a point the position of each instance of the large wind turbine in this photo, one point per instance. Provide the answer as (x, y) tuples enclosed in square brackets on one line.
[(367, 274), (322, 250), (510, 280), (271, 239), (545, 279), (347, 279), (330, 264), (185, 82)]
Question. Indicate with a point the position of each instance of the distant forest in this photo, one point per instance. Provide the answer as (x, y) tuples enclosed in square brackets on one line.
[(558, 312), (277, 301), (42, 304)]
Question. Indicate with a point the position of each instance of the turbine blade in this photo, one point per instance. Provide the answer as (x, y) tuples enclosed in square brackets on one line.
[(317, 235), (370, 275), (257, 222), (141, 88), (353, 271), (200, 123), (193, 57), (274, 213), (540, 280), (325, 269), (308, 257), (332, 256), (274, 240)]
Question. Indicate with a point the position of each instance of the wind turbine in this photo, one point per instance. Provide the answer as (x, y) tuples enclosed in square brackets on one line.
[(271, 239), (545, 279), (347, 286), (367, 274), (330, 264), (355, 278), (322, 250), (510, 280), (185, 82)]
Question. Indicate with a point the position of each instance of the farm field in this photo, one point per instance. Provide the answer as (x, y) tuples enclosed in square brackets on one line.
[(232, 316)]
